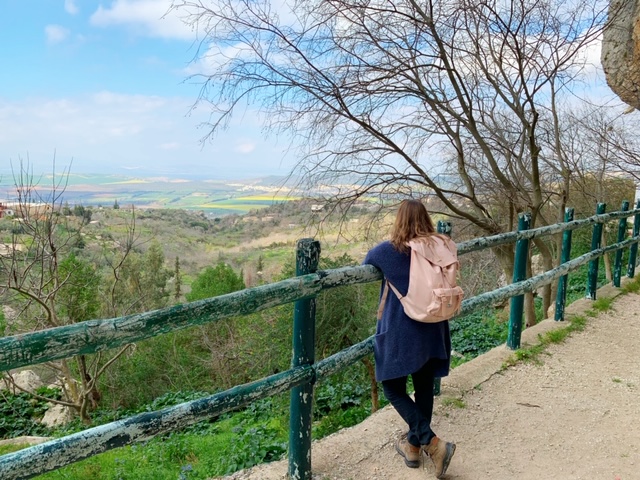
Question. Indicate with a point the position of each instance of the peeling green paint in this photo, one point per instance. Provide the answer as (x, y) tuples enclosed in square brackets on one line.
[(633, 251), (622, 232), (57, 453), (96, 335), (533, 283), (561, 293), (519, 274), (301, 397), (511, 237), (596, 240)]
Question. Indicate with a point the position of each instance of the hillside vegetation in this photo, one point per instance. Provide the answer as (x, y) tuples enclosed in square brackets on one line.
[(131, 260)]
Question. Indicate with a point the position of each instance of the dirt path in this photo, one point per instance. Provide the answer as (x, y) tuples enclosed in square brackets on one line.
[(574, 416)]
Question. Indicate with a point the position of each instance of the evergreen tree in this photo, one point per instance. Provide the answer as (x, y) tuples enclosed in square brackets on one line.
[(215, 281), (178, 280), (154, 276), (78, 210), (77, 296)]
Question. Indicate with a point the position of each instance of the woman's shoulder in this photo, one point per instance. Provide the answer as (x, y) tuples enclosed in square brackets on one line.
[(383, 247), (381, 250)]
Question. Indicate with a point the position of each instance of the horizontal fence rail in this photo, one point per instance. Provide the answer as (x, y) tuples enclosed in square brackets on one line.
[(97, 335), (54, 454), (511, 237)]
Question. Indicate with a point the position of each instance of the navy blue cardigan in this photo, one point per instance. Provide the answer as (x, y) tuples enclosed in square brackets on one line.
[(404, 345)]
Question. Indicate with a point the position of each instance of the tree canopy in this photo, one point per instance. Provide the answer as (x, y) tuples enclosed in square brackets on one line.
[(389, 98), (214, 281), (466, 104)]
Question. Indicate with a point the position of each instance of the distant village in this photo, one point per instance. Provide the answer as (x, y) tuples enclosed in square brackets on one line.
[(23, 210), (6, 210)]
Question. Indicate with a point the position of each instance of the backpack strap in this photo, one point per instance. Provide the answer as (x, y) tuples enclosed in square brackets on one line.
[(383, 299)]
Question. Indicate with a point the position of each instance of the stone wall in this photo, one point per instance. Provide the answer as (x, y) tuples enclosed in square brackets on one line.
[(621, 50)]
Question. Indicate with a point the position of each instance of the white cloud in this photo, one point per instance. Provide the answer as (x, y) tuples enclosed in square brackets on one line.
[(56, 33), (71, 7), (245, 147), (110, 132), (154, 18), (134, 103), (588, 59)]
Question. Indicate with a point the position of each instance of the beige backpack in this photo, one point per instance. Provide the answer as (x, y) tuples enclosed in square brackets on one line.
[(433, 294)]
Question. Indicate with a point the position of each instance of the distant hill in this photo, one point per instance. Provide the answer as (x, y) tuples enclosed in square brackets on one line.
[(216, 197)]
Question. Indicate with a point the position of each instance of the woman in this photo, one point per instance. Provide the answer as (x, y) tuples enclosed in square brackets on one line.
[(406, 347)]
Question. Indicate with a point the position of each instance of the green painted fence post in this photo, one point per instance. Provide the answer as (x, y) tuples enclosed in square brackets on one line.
[(561, 293), (304, 332), (622, 232), (519, 274), (445, 228), (596, 241), (633, 251)]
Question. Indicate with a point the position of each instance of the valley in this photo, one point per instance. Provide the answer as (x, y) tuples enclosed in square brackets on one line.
[(215, 197)]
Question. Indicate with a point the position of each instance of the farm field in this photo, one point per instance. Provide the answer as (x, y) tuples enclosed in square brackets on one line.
[(214, 197)]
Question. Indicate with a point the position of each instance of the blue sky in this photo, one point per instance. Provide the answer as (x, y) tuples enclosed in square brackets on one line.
[(104, 85)]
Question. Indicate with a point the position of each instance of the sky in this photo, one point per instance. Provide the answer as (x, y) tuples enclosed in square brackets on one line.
[(103, 87)]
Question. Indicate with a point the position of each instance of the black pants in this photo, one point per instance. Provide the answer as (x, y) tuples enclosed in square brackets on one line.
[(417, 413)]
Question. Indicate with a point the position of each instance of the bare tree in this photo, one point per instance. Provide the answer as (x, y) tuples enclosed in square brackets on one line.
[(52, 286), (396, 98)]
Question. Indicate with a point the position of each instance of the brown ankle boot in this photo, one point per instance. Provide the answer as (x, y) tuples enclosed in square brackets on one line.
[(440, 453), (410, 453)]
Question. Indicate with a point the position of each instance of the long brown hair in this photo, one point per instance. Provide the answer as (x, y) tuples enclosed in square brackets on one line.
[(412, 220)]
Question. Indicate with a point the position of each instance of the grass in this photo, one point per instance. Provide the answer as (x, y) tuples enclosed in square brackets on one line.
[(189, 455), (600, 305), (577, 324), (453, 402), (531, 353), (4, 449), (632, 287), (236, 441), (167, 458)]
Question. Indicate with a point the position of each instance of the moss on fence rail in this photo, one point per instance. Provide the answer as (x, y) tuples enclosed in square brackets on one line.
[(97, 335)]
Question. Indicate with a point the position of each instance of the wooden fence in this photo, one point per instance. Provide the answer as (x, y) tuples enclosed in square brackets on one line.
[(96, 335)]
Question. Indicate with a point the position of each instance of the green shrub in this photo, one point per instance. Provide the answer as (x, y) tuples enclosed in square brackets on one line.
[(252, 445), (20, 413), (477, 332)]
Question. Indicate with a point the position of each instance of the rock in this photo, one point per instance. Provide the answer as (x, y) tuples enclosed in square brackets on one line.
[(24, 440), (26, 379), (9, 313), (537, 267), (56, 416), (621, 50), (551, 311)]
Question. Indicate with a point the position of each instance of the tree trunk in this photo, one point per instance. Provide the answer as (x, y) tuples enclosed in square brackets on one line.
[(375, 404), (548, 261), (606, 258)]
